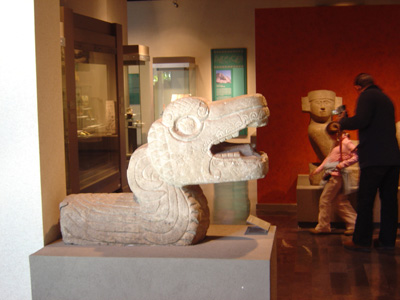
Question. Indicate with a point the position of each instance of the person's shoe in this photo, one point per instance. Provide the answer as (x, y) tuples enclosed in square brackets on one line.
[(349, 245), (380, 247), (318, 232), (348, 232)]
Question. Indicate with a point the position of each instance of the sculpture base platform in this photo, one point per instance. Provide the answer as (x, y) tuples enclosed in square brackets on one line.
[(233, 262), (308, 195)]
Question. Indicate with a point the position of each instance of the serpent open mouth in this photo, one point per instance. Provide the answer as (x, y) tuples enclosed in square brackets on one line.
[(254, 116), (233, 150), (237, 161), (225, 149)]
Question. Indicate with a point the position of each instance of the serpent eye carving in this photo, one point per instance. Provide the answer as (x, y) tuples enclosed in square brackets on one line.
[(184, 107), (187, 127)]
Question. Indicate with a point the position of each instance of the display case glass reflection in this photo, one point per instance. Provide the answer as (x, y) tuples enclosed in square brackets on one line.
[(173, 77), (137, 93), (93, 104), (96, 116)]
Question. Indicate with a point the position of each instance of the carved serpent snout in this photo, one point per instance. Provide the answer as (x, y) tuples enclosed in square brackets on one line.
[(179, 145)]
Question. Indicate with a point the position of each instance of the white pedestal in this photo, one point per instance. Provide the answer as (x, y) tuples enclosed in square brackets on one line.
[(229, 264)]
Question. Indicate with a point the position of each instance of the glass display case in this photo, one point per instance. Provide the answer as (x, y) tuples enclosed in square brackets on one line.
[(173, 77), (93, 104), (138, 100)]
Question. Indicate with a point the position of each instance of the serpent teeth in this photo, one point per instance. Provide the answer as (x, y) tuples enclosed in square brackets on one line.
[(228, 155)]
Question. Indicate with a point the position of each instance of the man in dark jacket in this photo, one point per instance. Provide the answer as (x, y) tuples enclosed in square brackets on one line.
[(379, 159)]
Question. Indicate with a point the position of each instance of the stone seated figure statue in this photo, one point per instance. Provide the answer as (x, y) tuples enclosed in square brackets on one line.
[(320, 104), (167, 207)]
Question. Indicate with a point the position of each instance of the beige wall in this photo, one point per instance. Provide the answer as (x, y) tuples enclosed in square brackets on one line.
[(50, 115), (193, 29)]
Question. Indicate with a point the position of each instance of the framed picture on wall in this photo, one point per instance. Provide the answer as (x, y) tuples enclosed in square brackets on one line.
[(229, 73)]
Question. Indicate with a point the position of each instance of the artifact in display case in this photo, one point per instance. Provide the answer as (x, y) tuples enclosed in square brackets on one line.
[(173, 78), (138, 101), (93, 104)]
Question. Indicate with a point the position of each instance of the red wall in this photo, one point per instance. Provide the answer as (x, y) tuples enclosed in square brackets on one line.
[(304, 49)]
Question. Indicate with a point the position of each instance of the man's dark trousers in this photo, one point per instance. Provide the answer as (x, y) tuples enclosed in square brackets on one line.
[(384, 179)]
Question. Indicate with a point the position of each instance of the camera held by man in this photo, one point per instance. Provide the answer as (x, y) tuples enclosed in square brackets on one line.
[(339, 110)]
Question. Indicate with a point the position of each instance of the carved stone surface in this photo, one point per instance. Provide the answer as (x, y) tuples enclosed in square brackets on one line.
[(319, 104), (185, 148)]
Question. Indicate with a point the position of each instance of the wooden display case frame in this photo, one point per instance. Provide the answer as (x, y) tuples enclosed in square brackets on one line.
[(86, 33)]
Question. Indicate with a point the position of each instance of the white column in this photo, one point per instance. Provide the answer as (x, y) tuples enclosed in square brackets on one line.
[(32, 166), (20, 196)]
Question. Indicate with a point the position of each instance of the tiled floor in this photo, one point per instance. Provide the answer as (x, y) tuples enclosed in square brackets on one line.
[(314, 267)]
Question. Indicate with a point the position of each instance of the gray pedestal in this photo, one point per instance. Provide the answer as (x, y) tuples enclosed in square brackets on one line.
[(229, 264), (307, 197)]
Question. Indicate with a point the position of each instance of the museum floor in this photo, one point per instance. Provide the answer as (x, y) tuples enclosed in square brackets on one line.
[(316, 267)]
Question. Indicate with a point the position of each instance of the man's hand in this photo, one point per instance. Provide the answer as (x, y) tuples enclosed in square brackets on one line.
[(342, 115)]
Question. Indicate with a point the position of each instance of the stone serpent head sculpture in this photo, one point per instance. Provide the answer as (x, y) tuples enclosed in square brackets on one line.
[(185, 148)]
